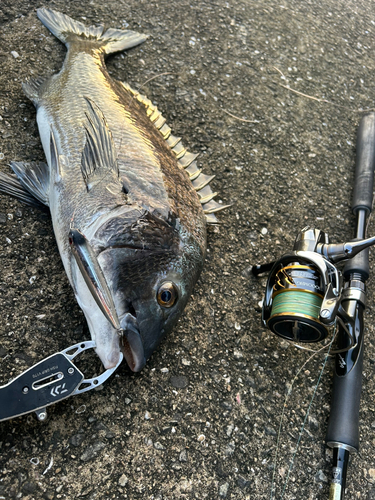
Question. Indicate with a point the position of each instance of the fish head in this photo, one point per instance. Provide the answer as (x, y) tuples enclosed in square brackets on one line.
[(150, 266)]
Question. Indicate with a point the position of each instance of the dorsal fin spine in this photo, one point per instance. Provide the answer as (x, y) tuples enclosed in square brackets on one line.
[(165, 131), (172, 141), (160, 122), (185, 159)]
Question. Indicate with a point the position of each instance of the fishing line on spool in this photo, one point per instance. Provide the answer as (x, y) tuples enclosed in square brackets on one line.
[(306, 415)]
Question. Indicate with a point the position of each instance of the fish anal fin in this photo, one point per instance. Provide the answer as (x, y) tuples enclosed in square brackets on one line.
[(98, 155), (35, 178)]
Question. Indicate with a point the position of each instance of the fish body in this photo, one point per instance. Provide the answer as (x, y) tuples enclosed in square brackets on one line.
[(122, 190)]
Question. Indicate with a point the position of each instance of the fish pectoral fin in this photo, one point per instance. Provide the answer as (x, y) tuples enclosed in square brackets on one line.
[(98, 155), (12, 186), (34, 177), (93, 275)]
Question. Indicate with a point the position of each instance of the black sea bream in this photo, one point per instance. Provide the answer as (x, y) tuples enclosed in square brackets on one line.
[(129, 205)]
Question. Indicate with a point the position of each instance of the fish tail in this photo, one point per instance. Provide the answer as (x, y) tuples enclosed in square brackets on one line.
[(69, 31)]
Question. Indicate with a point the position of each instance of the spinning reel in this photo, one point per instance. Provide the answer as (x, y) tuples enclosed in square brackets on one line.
[(305, 290)]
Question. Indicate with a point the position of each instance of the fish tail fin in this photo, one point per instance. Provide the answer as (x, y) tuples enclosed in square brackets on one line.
[(69, 31)]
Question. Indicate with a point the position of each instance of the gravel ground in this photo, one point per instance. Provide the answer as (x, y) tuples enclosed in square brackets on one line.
[(201, 420)]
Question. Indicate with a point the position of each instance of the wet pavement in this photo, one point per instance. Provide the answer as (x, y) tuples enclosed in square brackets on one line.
[(270, 94)]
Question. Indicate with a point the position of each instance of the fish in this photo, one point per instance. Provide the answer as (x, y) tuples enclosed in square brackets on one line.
[(129, 204)]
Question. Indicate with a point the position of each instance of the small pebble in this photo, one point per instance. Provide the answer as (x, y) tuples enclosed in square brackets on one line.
[(321, 477), (237, 354), (243, 483), (77, 439), (29, 487), (223, 490), (201, 438), (179, 382), (158, 446), (92, 451), (15, 54), (123, 480)]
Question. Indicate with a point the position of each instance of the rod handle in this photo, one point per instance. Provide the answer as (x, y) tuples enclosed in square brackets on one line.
[(365, 165), (343, 424)]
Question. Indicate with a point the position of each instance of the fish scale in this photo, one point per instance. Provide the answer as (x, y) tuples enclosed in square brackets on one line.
[(128, 202)]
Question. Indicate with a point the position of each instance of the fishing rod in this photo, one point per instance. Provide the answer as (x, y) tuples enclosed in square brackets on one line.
[(308, 299)]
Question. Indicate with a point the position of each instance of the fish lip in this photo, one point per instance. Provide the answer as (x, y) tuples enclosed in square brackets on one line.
[(132, 345)]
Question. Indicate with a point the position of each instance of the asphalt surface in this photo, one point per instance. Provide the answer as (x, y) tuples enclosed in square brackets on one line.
[(201, 420)]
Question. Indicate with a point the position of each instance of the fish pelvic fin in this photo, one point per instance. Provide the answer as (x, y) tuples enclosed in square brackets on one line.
[(68, 31)]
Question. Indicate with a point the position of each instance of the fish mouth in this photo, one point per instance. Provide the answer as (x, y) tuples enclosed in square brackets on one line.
[(131, 343)]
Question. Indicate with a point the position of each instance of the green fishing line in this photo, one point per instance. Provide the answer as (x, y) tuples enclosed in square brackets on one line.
[(296, 302)]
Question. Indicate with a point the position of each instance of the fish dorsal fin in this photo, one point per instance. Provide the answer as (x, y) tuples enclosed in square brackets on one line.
[(185, 159), (98, 155), (34, 177), (33, 88)]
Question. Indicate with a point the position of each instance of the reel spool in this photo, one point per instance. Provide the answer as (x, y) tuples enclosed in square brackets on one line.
[(297, 297)]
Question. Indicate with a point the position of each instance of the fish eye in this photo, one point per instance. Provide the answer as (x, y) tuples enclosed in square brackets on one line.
[(167, 294)]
